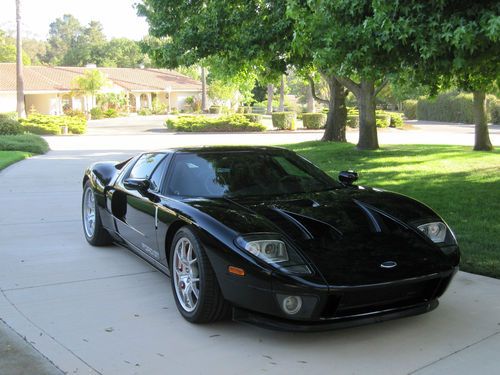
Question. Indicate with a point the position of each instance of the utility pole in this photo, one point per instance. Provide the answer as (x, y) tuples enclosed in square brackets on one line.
[(21, 111)]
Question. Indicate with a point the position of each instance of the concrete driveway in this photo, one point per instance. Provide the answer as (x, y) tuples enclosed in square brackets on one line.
[(104, 311)]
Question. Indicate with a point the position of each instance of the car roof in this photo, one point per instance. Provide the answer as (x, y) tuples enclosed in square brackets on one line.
[(224, 149)]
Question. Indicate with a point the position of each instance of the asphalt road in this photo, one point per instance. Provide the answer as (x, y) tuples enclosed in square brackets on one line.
[(104, 311)]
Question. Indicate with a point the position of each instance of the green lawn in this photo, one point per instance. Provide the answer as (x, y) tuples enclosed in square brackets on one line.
[(461, 185), (10, 157)]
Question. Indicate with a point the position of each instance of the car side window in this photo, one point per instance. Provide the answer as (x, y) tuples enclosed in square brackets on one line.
[(145, 165), (158, 173)]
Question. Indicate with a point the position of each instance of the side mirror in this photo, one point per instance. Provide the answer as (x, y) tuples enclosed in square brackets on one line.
[(139, 184), (348, 177)]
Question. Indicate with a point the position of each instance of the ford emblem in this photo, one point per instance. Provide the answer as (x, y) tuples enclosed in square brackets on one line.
[(388, 264)]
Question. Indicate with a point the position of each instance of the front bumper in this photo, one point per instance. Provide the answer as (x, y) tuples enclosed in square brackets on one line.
[(269, 322)]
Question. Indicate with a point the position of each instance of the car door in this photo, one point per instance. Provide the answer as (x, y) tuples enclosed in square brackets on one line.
[(137, 225)]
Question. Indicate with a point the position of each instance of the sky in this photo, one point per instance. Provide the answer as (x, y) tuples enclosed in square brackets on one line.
[(118, 17)]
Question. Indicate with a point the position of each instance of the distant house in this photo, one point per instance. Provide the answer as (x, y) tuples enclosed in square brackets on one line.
[(48, 88)]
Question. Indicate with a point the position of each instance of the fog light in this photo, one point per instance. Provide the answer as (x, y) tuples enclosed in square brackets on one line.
[(291, 304)]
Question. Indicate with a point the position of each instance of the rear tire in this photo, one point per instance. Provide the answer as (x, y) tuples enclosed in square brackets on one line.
[(94, 232), (196, 291)]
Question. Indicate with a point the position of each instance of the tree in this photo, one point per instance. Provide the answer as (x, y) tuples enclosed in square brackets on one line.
[(452, 43), (90, 83), (63, 34), (8, 51), (21, 111), (89, 47), (337, 38)]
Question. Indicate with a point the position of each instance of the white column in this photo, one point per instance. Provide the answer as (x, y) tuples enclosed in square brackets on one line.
[(137, 102), (150, 106)]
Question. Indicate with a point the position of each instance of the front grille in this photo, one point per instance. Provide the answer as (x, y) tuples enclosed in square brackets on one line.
[(372, 299)]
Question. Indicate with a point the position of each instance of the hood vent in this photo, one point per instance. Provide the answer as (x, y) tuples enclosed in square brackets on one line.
[(310, 228)]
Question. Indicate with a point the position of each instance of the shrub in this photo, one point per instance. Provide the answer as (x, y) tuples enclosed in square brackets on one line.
[(410, 109), (24, 142), (231, 123), (494, 110), (158, 108), (9, 127), (353, 121), (215, 109), (383, 120), (244, 109), (8, 115), (96, 113), (51, 125), (254, 117), (396, 119), (145, 112), (74, 113), (448, 107), (284, 120), (313, 120), (110, 113)]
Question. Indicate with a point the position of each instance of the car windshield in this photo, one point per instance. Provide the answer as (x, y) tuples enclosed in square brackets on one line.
[(245, 173)]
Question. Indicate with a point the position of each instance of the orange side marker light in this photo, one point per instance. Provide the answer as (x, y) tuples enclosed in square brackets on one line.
[(236, 271)]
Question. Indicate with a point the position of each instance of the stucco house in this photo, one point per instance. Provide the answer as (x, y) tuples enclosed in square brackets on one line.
[(47, 89)]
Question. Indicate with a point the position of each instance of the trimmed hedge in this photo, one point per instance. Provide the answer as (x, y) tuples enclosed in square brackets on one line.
[(455, 107), (314, 120), (493, 107), (353, 121), (253, 117), (284, 120), (215, 109), (8, 116), (24, 142), (9, 127), (383, 120), (51, 125), (231, 123), (448, 107), (396, 119), (244, 109), (410, 109)]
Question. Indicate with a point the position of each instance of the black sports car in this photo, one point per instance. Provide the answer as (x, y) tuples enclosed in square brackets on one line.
[(264, 234)]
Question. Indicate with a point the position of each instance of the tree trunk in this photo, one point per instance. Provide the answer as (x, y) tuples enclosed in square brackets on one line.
[(203, 90), (21, 110), (282, 94), (270, 92), (311, 107), (482, 137), (368, 139), (337, 113)]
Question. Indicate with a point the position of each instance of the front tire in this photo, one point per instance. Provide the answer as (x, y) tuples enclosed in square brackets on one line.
[(194, 284), (94, 232)]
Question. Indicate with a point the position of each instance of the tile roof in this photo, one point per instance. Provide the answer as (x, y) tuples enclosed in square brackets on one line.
[(59, 78)]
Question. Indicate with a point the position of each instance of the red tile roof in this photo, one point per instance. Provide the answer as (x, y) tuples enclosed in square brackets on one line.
[(59, 78)]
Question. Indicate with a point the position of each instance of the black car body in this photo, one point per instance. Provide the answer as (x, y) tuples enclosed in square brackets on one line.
[(320, 254)]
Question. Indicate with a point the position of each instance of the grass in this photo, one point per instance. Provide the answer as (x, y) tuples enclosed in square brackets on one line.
[(463, 186), (10, 157), (14, 148)]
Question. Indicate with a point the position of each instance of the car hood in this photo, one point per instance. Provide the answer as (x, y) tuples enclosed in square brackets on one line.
[(346, 234)]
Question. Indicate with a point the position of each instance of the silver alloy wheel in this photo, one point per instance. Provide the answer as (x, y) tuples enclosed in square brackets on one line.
[(89, 212), (186, 274)]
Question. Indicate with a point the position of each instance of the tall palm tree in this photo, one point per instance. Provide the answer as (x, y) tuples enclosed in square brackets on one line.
[(21, 111), (204, 107)]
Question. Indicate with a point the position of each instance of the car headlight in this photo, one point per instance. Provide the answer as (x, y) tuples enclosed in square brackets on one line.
[(435, 231), (274, 251)]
